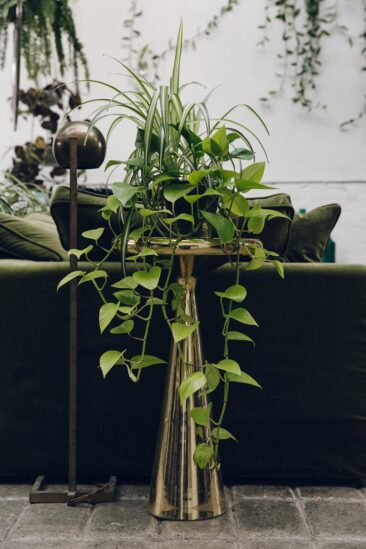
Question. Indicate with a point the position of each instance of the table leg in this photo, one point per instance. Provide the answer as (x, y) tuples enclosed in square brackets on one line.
[(179, 489)]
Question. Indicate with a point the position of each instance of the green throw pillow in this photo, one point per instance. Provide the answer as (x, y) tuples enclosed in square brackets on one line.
[(90, 201), (310, 233), (276, 232), (31, 237)]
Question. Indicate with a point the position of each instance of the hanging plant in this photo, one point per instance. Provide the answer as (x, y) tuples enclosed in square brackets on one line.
[(305, 24), (146, 60), (47, 30)]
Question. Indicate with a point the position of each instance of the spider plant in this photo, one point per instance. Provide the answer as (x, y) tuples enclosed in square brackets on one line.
[(186, 177)]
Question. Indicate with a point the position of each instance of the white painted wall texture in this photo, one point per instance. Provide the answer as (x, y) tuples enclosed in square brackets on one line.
[(303, 147)]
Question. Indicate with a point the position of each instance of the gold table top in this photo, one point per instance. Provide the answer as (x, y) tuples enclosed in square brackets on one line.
[(194, 246)]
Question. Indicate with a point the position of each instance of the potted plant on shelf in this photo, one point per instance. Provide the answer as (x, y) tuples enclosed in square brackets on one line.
[(183, 194)]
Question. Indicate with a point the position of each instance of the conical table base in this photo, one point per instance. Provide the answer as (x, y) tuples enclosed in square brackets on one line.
[(179, 489)]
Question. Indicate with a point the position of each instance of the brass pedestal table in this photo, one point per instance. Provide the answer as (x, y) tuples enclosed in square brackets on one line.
[(180, 490)]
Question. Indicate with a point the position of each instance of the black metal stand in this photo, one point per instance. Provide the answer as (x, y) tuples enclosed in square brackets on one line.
[(102, 492)]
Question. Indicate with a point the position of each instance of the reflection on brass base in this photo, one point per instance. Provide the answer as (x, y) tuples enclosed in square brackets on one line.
[(179, 489)]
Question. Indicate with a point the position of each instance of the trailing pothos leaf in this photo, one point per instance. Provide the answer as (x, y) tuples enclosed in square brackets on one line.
[(186, 178)]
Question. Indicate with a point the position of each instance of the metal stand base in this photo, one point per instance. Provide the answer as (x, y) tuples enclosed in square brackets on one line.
[(179, 489), (103, 493)]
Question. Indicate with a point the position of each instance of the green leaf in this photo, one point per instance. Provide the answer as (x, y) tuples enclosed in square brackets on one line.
[(213, 377), (256, 224), (80, 253), (177, 190), (107, 312), (146, 212), (254, 264), (108, 360), (125, 328), (145, 252), (203, 455), (136, 234), (127, 297), (191, 385), (181, 331), (94, 234), (162, 178), (222, 434), (242, 154), (196, 176), (279, 267), (238, 204), (229, 365), (69, 277), (144, 361), (193, 198), (238, 336), (93, 275), (254, 172), (243, 316), (243, 378), (113, 203), (182, 217), (148, 279), (237, 293), (124, 191), (201, 416), (225, 227), (217, 144), (111, 163), (244, 186), (127, 282)]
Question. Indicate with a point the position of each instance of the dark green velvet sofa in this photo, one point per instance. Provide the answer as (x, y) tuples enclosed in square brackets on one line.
[(308, 424)]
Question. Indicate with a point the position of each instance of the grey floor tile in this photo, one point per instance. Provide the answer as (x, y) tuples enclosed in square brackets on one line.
[(42, 522), (133, 491), (332, 520), (220, 528), (120, 520), (253, 491), (329, 492), (14, 491), (270, 519), (343, 545), (273, 544), (43, 545), (9, 513), (160, 544)]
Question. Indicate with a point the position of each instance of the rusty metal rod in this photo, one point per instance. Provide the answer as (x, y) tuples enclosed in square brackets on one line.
[(73, 319)]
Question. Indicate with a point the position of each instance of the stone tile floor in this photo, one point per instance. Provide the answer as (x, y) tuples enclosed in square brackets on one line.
[(258, 517)]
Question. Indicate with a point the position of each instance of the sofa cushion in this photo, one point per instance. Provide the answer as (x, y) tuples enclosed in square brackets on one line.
[(31, 237), (90, 201), (310, 233), (276, 232)]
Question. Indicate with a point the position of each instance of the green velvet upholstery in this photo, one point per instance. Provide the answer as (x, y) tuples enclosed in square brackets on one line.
[(31, 237), (310, 233), (308, 423)]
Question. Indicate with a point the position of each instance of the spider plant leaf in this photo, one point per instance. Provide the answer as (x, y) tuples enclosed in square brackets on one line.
[(174, 82), (149, 128)]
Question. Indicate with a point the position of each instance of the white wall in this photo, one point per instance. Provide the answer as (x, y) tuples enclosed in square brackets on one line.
[(303, 147)]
